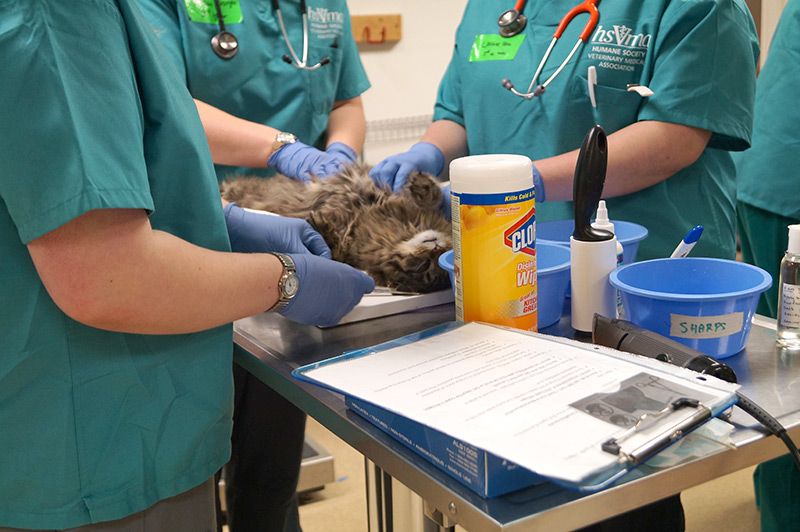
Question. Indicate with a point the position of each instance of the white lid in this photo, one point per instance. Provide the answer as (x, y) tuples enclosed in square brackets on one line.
[(602, 221), (794, 239), (491, 174)]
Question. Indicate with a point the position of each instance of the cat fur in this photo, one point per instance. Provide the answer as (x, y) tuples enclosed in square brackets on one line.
[(396, 238)]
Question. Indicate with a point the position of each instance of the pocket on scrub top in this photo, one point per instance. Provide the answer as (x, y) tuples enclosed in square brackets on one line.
[(324, 82), (616, 107)]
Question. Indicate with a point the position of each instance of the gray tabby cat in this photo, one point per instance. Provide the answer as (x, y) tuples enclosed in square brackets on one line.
[(395, 238)]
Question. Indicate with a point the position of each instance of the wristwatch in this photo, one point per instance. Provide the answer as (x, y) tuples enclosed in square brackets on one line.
[(288, 284), (281, 139)]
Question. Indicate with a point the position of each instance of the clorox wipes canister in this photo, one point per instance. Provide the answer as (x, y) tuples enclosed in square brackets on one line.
[(494, 240)]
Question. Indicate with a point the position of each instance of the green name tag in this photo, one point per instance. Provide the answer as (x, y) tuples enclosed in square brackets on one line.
[(493, 47), (205, 11)]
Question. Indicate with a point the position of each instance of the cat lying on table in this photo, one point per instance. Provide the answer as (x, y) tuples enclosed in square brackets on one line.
[(395, 238)]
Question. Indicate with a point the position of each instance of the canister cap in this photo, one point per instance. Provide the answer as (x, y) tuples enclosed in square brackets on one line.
[(491, 174), (794, 239)]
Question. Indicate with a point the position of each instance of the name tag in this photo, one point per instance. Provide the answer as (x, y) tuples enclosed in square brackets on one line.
[(701, 327), (205, 12), (493, 47)]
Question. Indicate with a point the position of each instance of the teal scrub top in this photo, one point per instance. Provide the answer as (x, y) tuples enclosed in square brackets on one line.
[(256, 84), (97, 425), (769, 172), (698, 56)]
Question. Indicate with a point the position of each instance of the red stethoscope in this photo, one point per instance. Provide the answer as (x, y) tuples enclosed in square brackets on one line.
[(512, 22)]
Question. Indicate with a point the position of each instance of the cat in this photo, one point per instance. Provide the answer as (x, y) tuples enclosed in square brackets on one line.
[(396, 238)]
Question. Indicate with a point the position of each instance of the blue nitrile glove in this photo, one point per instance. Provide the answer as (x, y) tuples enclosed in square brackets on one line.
[(393, 171), (446, 202), (258, 232), (301, 161), (538, 184), (328, 290), (342, 153)]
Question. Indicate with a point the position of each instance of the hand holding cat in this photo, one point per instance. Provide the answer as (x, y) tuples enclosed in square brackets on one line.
[(300, 161), (393, 171), (328, 290), (259, 232)]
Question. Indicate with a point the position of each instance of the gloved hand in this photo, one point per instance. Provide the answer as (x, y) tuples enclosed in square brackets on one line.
[(328, 290), (258, 232), (342, 153), (538, 185), (393, 171), (446, 202), (300, 161)]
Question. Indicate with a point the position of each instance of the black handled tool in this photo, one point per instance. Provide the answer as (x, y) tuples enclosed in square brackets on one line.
[(587, 187)]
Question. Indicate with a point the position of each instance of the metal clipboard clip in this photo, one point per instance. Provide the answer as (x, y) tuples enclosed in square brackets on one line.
[(666, 435)]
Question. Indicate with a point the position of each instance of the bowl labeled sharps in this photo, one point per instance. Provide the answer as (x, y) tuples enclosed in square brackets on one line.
[(494, 240)]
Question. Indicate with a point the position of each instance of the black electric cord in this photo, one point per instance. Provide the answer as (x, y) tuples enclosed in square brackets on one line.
[(770, 423)]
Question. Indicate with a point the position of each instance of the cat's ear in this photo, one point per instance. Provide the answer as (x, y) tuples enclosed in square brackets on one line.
[(424, 190)]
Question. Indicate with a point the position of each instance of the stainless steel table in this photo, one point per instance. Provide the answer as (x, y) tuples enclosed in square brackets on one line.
[(270, 347)]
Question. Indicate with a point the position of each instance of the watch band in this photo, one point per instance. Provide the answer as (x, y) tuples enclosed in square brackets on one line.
[(288, 276)]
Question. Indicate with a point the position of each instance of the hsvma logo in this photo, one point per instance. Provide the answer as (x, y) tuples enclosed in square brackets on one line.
[(621, 35), (521, 236)]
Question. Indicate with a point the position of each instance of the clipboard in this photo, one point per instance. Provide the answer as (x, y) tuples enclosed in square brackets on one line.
[(610, 414)]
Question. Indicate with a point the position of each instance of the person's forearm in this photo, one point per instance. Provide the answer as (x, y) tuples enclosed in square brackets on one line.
[(450, 138), (346, 124), (639, 156), (234, 141), (108, 269)]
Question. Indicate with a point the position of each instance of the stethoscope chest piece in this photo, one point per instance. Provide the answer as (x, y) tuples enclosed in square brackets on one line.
[(225, 44), (511, 22)]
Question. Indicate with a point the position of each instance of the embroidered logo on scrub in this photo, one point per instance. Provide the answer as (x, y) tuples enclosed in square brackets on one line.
[(325, 23), (205, 11), (493, 47), (618, 48)]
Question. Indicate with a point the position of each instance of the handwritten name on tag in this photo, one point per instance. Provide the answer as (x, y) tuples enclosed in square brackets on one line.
[(702, 327)]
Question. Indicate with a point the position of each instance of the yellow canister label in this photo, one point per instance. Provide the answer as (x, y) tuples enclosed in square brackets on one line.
[(494, 239)]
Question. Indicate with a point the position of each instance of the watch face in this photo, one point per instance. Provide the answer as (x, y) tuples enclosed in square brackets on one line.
[(291, 285)]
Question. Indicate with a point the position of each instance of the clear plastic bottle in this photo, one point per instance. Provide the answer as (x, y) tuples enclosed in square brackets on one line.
[(789, 293)]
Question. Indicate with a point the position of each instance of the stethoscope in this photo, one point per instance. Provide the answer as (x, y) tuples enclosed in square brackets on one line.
[(225, 44), (512, 21)]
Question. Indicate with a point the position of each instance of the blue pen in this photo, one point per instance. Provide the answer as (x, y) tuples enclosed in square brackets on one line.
[(685, 246)]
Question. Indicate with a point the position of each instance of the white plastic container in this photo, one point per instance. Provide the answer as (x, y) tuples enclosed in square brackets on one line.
[(494, 240)]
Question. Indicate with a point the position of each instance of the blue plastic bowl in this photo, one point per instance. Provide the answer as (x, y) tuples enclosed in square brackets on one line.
[(629, 235), (707, 304), (552, 276)]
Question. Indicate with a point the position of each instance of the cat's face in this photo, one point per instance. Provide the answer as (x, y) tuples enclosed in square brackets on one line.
[(413, 264)]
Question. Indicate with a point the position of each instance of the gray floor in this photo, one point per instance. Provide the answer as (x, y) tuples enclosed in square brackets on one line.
[(724, 504)]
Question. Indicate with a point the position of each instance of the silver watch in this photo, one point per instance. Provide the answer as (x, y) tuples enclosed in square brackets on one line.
[(281, 139), (288, 284)]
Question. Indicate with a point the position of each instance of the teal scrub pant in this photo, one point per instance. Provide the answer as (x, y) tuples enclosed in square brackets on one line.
[(764, 238), (191, 511)]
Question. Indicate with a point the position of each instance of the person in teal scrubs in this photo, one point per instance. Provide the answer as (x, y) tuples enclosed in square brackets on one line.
[(115, 372), (768, 200), (244, 102), (669, 165)]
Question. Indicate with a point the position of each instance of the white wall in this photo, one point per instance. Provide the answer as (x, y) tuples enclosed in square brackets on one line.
[(405, 75), (770, 13)]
